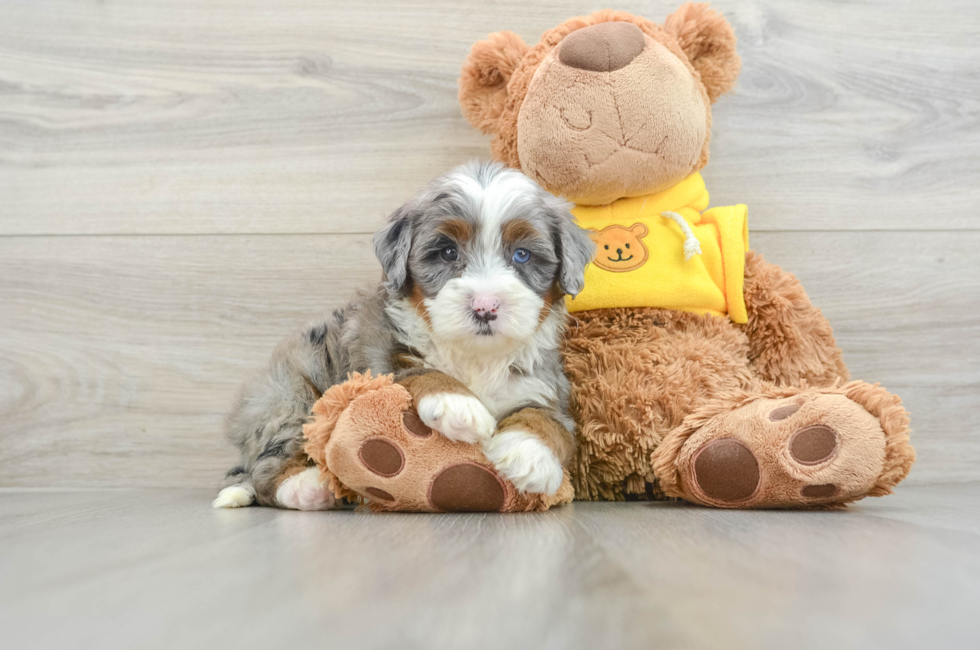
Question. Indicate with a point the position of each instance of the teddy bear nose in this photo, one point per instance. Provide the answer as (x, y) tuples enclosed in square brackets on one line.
[(619, 251), (602, 48)]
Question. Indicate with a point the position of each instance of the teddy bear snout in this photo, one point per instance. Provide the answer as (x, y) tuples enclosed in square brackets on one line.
[(602, 48)]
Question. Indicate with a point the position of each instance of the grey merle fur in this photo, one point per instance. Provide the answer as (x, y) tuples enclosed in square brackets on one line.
[(267, 419)]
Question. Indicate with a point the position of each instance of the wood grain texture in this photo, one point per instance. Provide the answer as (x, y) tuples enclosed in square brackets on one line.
[(120, 355), (183, 183), (160, 569), (175, 116)]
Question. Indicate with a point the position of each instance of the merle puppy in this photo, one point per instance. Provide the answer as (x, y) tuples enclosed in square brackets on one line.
[(468, 317)]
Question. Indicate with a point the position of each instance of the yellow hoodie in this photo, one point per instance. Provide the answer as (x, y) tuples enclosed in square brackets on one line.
[(640, 257)]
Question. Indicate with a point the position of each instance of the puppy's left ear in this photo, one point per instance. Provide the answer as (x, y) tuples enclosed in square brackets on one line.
[(574, 246), (392, 245), (709, 43)]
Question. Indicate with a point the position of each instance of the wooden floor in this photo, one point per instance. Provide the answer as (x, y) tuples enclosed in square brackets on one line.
[(146, 569), (182, 183)]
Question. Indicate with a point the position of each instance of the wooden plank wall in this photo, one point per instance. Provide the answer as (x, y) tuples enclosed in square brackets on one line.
[(184, 182)]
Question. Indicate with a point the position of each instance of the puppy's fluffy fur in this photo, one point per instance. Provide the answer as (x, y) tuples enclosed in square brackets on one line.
[(468, 317)]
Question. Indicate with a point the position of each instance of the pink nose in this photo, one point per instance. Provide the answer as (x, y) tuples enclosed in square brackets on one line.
[(485, 306)]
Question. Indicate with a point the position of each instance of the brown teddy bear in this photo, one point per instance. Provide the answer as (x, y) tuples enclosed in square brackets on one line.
[(698, 369)]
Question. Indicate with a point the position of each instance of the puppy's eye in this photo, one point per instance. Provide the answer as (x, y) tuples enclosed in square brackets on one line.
[(449, 254), (522, 255)]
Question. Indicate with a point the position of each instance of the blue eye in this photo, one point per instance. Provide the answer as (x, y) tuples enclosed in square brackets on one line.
[(522, 255)]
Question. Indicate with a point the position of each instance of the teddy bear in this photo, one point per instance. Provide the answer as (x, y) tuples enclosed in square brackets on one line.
[(699, 370)]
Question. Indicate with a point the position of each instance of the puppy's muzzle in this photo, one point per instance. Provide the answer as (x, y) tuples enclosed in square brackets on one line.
[(484, 308)]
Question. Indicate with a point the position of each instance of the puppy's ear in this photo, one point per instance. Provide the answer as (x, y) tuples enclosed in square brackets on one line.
[(392, 245), (574, 246), (483, 80), (709, 42)]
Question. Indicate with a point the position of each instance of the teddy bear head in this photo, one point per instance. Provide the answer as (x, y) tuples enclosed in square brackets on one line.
[(605, 106)]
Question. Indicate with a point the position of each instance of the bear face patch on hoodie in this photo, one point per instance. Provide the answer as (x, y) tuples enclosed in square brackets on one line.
[(691, 259)]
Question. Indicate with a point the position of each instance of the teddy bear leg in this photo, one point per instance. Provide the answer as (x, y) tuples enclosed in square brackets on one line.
[(789, 339), (376, 449), (635, 375), (788, 448)]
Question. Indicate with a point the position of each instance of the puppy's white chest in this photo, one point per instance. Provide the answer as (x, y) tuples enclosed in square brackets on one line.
[(490, 375), (509, 395), (504, 391)]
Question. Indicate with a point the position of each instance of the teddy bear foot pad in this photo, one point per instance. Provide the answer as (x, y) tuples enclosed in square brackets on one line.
[(792, 448)]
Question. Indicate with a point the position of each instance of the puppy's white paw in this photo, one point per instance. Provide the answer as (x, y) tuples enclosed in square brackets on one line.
[(524, 460), (305, 491), (234, 496), (463, 418)]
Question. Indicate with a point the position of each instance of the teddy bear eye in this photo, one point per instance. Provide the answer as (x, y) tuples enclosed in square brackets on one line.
[(627, 245), (607, 246)]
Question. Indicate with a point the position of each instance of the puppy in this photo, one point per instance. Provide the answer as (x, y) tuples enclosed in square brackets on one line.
[(468, 318)]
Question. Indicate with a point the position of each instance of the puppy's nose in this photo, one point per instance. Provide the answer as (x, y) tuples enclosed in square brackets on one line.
[(485, 307), (602, 48)]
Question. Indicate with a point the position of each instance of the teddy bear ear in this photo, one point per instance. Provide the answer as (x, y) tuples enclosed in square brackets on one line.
[(483, 81), (709, 42)]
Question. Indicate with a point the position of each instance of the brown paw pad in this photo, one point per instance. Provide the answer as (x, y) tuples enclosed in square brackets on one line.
[(784, 412), (817, 491), (414, 425), (813, 444), (726, 470), (378, 493), (467, 487), (382, 457)]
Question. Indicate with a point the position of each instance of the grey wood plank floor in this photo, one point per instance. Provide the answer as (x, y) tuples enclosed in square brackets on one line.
[(159, 569)]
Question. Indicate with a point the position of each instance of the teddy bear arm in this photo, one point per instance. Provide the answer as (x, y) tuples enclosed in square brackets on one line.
[(789, 338)]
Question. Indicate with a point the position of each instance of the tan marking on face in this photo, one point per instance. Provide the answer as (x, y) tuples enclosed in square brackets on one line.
[(418, 302), (550, 298), (619, 248), (459, 230), (541, 424), (518, 230)]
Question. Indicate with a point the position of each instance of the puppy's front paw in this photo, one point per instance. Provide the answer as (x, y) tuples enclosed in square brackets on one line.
[(305, 491), (463, 418), (525, 461)]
